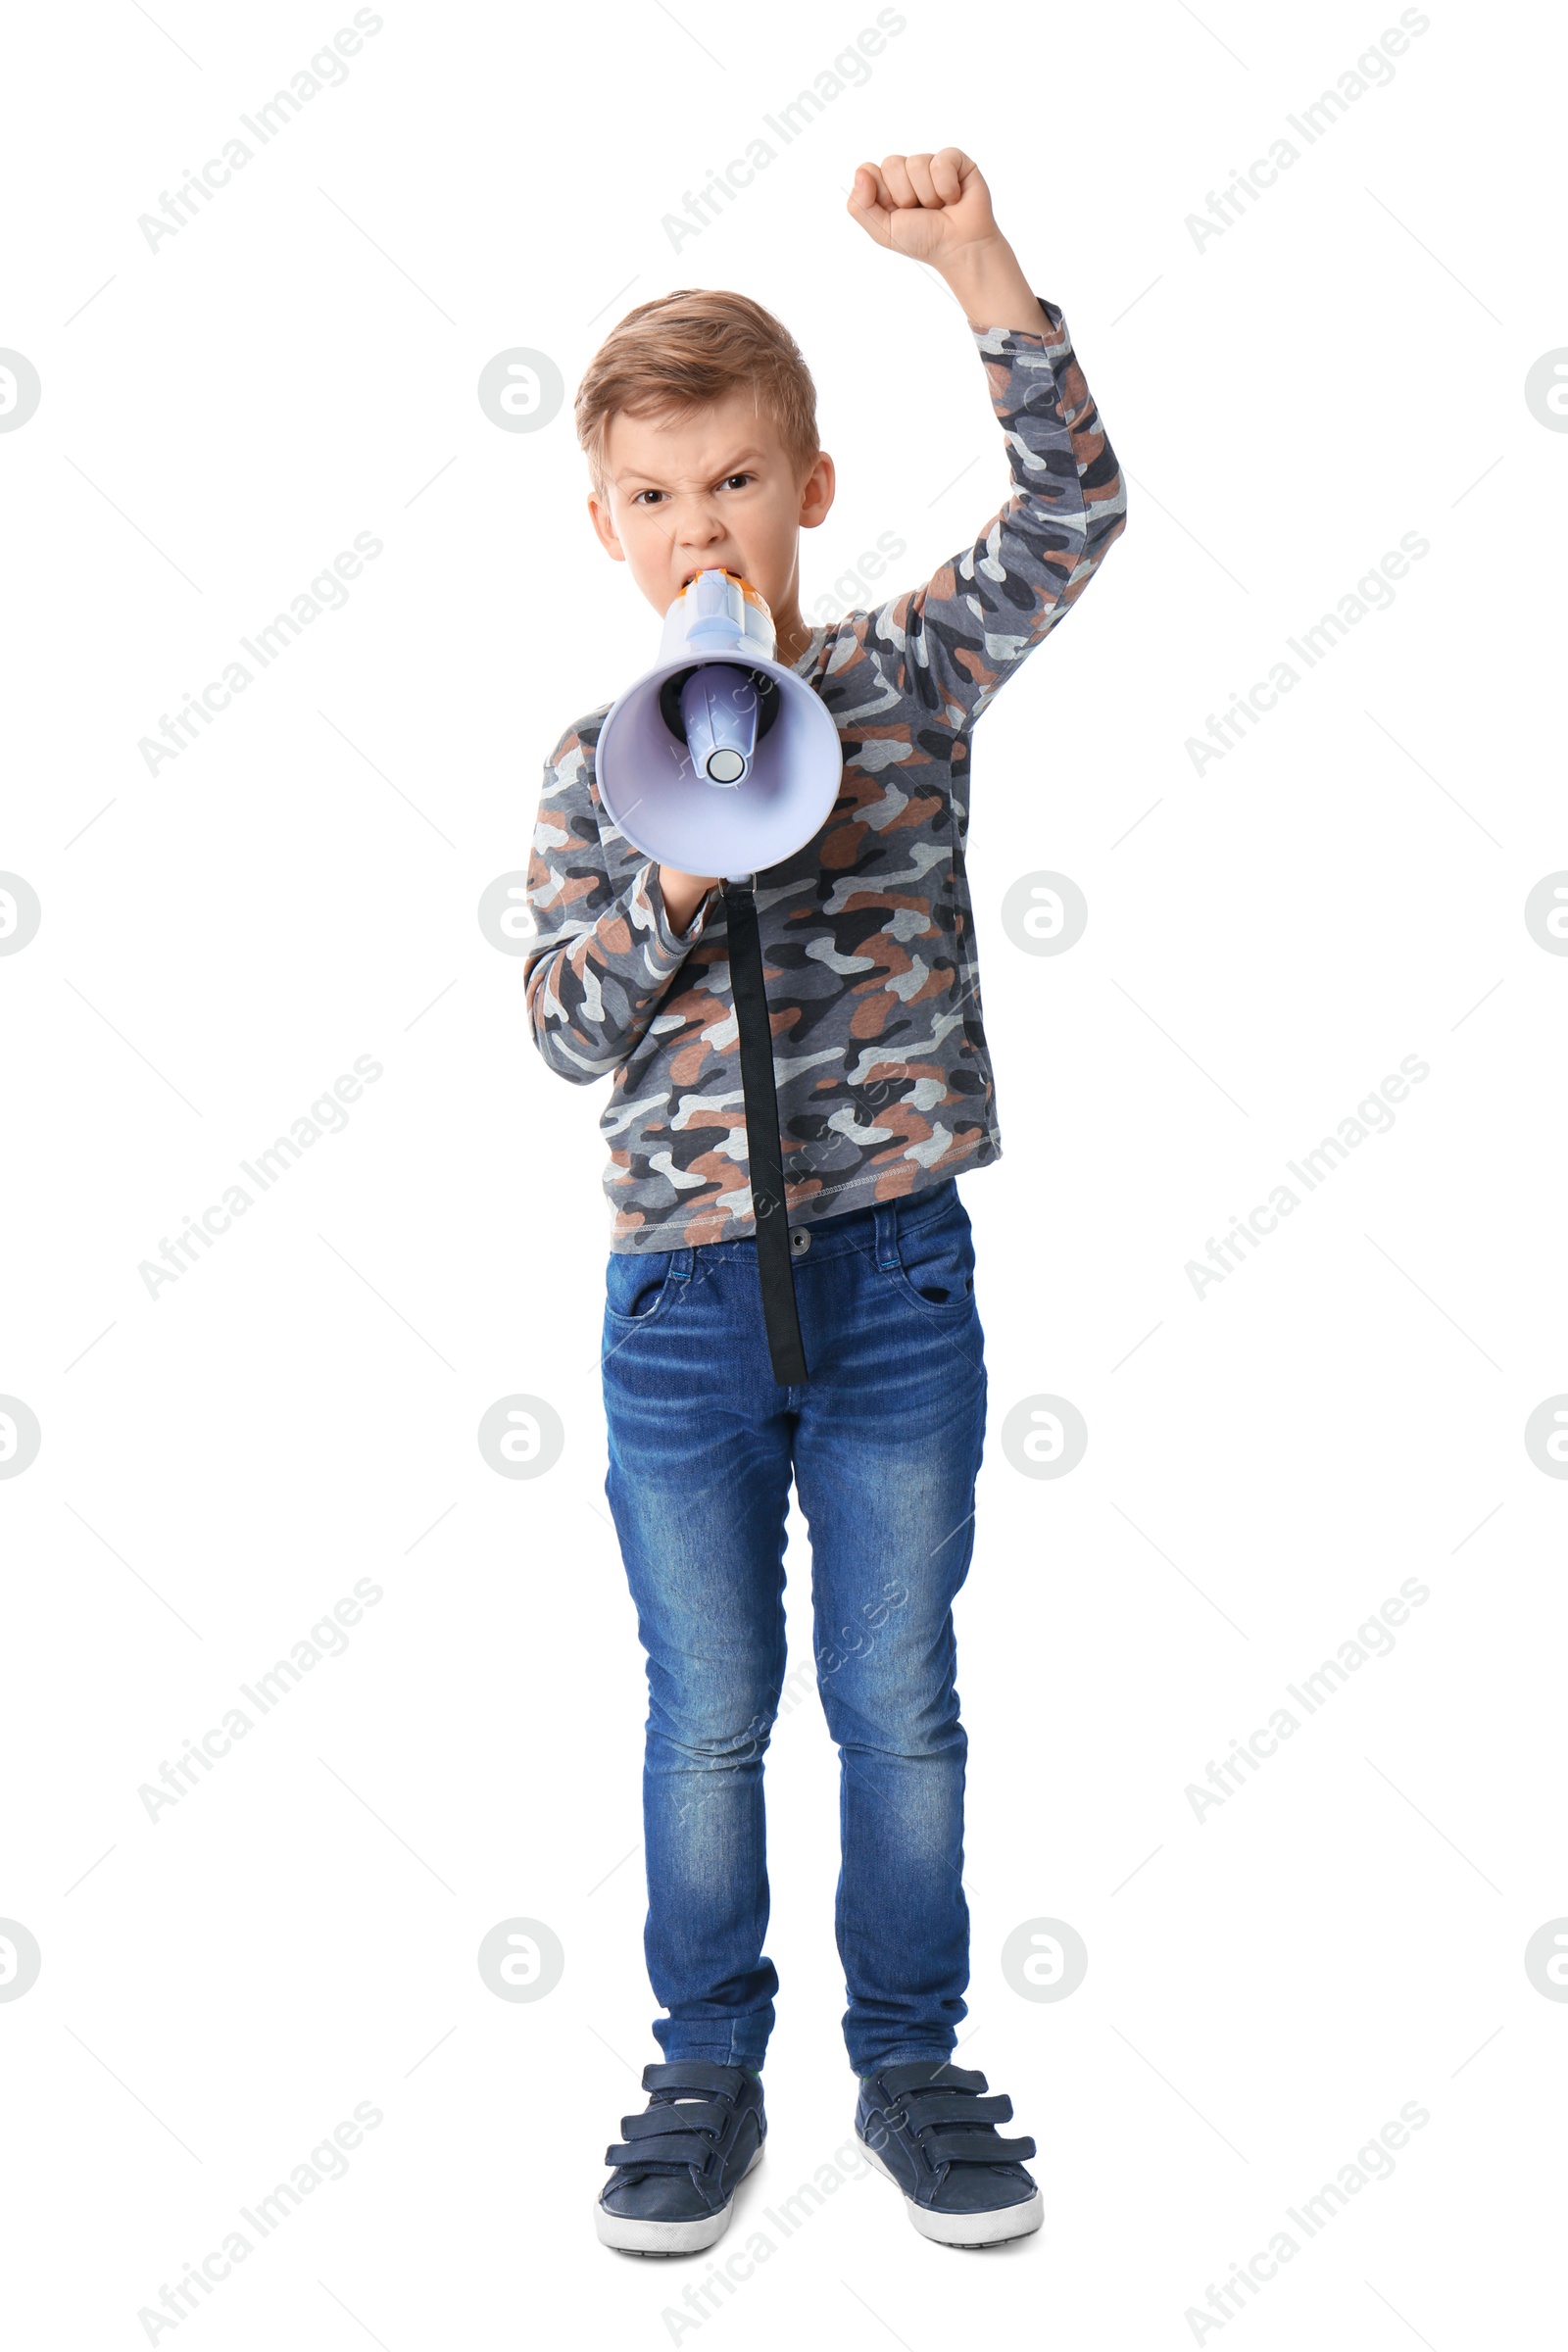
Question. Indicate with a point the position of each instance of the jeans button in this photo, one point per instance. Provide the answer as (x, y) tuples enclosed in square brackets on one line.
[(800, 1241)]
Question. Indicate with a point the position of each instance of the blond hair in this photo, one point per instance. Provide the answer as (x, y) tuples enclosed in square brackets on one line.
[(686, 350)]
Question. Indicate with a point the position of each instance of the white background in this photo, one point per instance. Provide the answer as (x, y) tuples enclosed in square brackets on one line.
[(1266, 1986)]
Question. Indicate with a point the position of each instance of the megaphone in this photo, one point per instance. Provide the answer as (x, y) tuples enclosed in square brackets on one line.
[(721, 761)]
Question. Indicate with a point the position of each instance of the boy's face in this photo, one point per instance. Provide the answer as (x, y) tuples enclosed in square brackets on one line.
[(713, 487)]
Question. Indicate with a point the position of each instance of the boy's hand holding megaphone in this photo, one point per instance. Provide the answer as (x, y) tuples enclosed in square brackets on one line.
[(684, 894)]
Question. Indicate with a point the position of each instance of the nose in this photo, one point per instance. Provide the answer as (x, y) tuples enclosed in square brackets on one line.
[(697, 521), (699, 532)]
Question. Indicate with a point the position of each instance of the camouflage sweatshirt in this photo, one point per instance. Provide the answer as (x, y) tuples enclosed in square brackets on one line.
[(884, 1080)]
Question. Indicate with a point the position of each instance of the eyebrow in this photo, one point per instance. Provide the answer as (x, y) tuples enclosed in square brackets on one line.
[(732, 464)]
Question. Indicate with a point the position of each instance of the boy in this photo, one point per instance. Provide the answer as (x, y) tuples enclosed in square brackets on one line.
[(697, 418)]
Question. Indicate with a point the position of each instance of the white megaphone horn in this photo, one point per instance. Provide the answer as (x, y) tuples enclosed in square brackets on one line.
[(723, 762)]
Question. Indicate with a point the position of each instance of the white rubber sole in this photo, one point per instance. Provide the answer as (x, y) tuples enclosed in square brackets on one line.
[(991, 2229), (632, 2237)]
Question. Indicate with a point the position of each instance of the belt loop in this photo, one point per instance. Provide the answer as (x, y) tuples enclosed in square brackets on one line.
[(887, 1236), (681, 1264)]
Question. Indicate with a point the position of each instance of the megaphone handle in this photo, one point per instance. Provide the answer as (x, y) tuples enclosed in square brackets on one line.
[(764, 1157)]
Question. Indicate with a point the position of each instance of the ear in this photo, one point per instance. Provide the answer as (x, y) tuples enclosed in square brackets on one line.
[(818, 491), (604, 526)]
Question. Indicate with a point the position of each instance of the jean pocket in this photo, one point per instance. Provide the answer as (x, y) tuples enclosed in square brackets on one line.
[(637, 1289), (936, 1263)]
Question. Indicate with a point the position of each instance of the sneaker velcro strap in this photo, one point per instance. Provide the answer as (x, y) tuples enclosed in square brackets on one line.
[(661, 2147), (923, 2107), (713, 2117), (976, 2147), (929, 2076), (698, 2075)]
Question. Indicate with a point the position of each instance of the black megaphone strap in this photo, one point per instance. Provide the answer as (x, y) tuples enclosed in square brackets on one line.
[(765, 1157)]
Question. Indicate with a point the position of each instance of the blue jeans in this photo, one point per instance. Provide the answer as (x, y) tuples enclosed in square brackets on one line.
[(884, 1441)]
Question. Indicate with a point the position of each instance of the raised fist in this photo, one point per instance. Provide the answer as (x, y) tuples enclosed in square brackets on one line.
[(930, 206)]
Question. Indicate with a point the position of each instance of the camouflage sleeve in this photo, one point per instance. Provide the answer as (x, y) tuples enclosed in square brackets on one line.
[(960, 636), (603, 955)]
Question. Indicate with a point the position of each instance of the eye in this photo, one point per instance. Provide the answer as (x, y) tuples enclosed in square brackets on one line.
[(643, 495), (736, 482)]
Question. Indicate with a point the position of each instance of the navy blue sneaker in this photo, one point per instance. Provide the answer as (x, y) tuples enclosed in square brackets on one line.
[(678, 2165), (927, 2127)]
